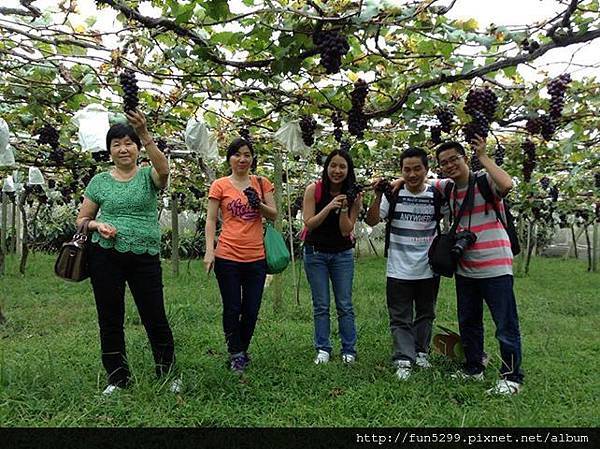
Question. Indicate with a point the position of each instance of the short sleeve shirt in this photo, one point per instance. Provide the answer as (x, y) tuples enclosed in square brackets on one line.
[(241, 237), (413, 228), (131, 207), (491, 255)]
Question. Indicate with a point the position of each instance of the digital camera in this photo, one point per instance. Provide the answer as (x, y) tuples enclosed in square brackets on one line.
[(462, 241)]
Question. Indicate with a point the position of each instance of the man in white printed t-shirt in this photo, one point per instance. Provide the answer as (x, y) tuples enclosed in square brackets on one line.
[(410, 281)]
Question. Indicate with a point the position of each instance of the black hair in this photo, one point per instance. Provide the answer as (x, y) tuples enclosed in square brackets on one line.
[(450, 145), (415, 152), (119, 131), (236, 144), (350, 178)]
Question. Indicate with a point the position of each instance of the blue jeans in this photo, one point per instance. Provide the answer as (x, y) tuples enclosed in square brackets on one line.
[(500, 298), (241, 285), (339, 267)]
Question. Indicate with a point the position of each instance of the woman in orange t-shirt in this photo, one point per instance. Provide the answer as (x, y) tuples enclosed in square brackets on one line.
[(239, 257)]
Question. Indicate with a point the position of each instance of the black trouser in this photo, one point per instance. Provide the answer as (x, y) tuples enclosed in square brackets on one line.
[(411, 336), (109, 271), (241, 285)]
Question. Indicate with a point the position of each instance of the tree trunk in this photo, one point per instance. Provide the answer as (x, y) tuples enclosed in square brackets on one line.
[(23, 236), (13, 240), (174, 237), (589, 247), (574, 242), (277, 284), (573, 245), (596, 240), (530, 244), (4, 228), (291, 226), (519, 260), (34, 221)]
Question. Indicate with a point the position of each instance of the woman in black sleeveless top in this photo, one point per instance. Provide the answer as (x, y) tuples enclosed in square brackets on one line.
[(328, 252)]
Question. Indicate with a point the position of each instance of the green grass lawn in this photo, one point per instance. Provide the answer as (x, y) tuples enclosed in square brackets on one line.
[(51, 375)]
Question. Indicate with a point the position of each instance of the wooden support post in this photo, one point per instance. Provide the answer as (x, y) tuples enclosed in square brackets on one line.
[(13, 225), (277, 284), (595, 250), (174, 236), (290, 225)]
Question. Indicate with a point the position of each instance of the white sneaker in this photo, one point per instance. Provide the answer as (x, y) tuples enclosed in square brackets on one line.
[(505, 387), (402, 369), (111, 389), (322, 357), (422, 360), (461, 375), (348, 359), (176, 386)]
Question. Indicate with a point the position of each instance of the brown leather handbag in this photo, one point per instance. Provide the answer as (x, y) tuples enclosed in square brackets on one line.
[(72, 258)]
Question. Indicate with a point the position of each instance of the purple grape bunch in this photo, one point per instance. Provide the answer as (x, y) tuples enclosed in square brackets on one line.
[(529, 161), (357, 121), (130, 90), (307, 127), (332, 46)]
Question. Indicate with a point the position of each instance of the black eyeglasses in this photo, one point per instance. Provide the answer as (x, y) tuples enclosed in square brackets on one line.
[(450, 160)]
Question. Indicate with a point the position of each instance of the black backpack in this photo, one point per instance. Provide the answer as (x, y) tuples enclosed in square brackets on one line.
[(438, 202), (488, 196)]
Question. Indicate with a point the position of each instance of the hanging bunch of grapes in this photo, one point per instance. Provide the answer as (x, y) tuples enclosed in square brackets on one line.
[(101, 156), (546, 124), (307, 126), (48, 135), (534, 125), (557, 88), (549, 124), (320, 158), (530, 45), (162, 145), (445, 116), (553, 191), (338, 133), (332, 46), (481, 105), (57, 156), (130, 90), (357, 121), (345, 146), (529, 161), (436, 134), (499, 155), (245, 134), (482, 99)]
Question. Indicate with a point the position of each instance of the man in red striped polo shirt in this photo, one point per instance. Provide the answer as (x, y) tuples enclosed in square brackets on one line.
[(485, 270)]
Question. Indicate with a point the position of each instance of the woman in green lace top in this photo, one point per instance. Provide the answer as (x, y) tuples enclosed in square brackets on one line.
[(120, 206)]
